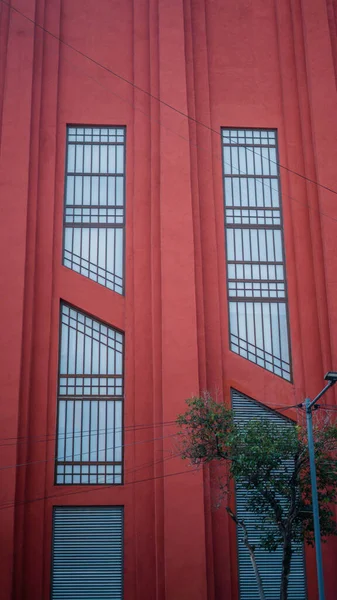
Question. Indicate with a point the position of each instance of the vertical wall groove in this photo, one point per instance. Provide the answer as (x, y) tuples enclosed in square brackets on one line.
[(156, 298), (312, 195), (28, 316), (5, 12)]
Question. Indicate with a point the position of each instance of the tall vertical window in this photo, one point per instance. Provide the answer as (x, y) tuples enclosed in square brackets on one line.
[(87, 553), (94, 214), (269, 563), (258, 313), (90, 401)]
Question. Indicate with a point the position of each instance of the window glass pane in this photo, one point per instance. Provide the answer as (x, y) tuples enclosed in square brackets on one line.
[(230, 244), (70, 190), (233, 318), (242, 321), (278, 246), (103, 184), (256, 152), (273, 161), (250, 161), (112, 159), (270, 245), (238, 244), (267, 192), (255, 245), (244, 191), (118, 437), (61, 429), (262, 245), (250, 323), (103, 159), (259, 192), (275, 324), (227, 160), (265, 161), (78, 190), (86, 190), (246, 244), (242, 161), (79, 158), (71, 158), (120, 159), (283, 332), (236, 192), (95, 159), (251, 191), (87, 159)]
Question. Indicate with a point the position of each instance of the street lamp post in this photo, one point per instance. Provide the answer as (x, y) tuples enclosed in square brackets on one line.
[(331, 377)]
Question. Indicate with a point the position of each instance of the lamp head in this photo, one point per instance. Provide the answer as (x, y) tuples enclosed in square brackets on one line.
[(331, 376)]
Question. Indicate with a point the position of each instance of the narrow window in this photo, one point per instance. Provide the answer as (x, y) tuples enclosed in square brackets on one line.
[(256, 278), (269, 563), (90, 401), (87, 553), (94, 215)]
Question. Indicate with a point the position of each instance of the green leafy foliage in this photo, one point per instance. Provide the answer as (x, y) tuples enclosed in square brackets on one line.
[(273, 464)]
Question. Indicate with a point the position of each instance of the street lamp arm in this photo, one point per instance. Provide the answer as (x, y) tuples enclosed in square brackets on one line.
[(325, 389)]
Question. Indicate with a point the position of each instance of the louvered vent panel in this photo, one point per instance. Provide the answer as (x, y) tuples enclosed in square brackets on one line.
[(87, 553), (269, 563)]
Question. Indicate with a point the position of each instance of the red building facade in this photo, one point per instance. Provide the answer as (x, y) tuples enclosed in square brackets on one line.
[(172, 76)]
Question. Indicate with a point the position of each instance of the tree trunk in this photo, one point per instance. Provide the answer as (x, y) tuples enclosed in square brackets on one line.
[(251, 550), (255, 567), (286, 560)]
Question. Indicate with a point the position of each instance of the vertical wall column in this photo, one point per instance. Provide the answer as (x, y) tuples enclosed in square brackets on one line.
[(220, 542), (39, 391), (15, 150), (141, 326), (320, 83), (184, 527), (298, 208)]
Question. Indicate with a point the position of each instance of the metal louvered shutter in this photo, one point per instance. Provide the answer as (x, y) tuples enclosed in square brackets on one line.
[(87, 553), (269, 563)]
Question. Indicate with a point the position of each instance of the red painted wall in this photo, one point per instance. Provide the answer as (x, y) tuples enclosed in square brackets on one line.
[(242, 64)]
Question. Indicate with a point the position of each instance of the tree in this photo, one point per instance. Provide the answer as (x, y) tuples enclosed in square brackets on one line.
[(272, 463)]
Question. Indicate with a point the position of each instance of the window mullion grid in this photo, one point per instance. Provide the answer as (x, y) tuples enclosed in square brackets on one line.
[(103, 268), (269, 284), (97, 404)]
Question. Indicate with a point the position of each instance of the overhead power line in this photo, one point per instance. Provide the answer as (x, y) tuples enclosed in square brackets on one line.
[(50, 436), (189, 141), (153, 97), (67, 458), (79, 435), (285, 407), (195, 145), (102, 488)]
